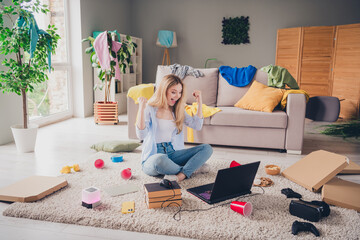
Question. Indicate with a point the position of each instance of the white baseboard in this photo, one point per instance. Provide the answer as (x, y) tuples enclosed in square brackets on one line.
[(293, 152)]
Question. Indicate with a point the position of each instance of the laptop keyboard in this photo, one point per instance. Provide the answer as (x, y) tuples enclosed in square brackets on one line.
[(206, 194)]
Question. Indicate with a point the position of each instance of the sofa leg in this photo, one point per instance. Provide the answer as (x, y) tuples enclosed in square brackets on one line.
[(296, 152)]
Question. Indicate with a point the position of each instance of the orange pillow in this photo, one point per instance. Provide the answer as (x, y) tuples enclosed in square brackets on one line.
[(260, 97)]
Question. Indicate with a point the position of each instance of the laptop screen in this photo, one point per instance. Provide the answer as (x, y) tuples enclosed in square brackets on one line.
[(231, 181)]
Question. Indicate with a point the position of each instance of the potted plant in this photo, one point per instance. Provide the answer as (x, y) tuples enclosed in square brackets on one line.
[(120, 60), (27, 52)]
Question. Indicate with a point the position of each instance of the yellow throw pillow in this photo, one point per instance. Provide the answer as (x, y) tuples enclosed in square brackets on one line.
[(260, 97)]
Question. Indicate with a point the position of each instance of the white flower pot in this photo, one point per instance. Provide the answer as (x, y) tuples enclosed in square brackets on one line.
[(25, 138)]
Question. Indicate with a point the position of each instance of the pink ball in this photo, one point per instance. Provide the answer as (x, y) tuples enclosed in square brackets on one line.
[(99, 163), (126, 173)]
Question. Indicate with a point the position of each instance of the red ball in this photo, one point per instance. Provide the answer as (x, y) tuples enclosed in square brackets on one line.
[(126, 173), (99, 163)]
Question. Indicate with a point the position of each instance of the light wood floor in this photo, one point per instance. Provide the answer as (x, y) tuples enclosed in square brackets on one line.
[(68, 142)]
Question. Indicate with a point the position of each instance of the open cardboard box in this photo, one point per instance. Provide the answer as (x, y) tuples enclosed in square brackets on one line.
[(318, 170), (342, 193)]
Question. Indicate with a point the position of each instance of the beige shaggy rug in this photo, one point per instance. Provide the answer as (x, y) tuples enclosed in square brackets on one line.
[(270, 218)]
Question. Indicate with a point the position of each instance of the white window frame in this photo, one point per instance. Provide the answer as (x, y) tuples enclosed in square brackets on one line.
[(57, 117)]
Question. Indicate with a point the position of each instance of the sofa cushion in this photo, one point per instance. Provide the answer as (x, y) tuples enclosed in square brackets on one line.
[(260, 97), (232, 116), (207, 84), (228, 95)]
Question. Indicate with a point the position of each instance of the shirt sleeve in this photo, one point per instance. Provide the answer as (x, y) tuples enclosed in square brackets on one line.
[(193, 122), (141, 134)]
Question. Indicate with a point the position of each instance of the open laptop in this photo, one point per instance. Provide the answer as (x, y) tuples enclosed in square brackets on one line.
[(229, 183)]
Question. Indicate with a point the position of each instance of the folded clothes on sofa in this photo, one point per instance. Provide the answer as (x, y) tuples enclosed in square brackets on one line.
[(239, 77)]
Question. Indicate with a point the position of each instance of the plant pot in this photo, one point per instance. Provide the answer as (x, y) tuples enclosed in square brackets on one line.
[(106, 113), (25, 139)]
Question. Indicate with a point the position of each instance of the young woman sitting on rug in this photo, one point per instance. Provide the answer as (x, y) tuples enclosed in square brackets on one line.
[(160, 124)]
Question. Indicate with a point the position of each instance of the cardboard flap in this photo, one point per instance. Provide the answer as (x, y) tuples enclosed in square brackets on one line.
[(317, 168), (352, 168), (31, 189), (342, 193)]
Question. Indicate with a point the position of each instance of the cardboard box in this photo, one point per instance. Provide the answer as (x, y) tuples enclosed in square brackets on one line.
[(352, 168), (316, 169), (342, 193), (32, 189)]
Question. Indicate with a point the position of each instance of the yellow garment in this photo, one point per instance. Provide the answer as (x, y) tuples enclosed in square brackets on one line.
[(192, 110), (287, 92), (142, 90)]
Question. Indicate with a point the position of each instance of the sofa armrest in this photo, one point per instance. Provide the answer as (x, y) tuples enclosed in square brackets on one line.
[(132, 110), (295, 109)]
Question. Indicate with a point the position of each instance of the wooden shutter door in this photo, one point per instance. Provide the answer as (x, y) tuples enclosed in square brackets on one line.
[(288, 50), (346, 70), (316, 60)]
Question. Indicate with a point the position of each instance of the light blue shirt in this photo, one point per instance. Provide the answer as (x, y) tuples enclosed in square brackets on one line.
[(148, 133)]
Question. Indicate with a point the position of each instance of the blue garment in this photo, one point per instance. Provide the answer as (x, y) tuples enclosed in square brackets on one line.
[(167, 161), (166, 38), (34, 32), (148, 133), (239, 77)]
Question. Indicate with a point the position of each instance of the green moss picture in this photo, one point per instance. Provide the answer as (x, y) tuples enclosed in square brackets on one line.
[(235, 30)]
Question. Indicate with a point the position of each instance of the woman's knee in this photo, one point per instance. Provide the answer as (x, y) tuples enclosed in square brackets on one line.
[(207, 148), (161, 161)]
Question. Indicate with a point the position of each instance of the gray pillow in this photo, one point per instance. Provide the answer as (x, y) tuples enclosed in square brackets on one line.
[(116, 146)]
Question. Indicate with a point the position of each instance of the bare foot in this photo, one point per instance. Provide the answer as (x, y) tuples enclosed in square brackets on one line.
[(181, 177)]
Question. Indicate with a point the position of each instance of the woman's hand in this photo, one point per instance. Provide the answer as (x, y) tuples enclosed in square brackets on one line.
[(142, 102), (197, 95), (140, 122)]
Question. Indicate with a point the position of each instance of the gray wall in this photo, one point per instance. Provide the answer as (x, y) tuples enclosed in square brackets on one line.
[(197, 24), (94, 15)]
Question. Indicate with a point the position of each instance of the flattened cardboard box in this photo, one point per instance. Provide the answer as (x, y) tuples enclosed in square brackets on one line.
[(342, 193), (316, 169), (31, 189)]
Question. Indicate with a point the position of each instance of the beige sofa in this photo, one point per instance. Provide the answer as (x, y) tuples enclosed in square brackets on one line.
[(234, 126)]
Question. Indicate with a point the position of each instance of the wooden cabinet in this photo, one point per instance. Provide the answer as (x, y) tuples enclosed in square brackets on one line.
[(325, 61), (132, 77)]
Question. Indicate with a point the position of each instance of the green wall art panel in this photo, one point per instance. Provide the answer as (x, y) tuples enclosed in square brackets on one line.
[(235, 30)]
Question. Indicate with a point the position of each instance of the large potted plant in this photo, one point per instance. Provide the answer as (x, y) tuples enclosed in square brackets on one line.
[(26, 52), (119, 59)]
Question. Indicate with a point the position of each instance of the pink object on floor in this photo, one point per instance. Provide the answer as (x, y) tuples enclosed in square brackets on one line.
[(126, 173), (234, 164), (244, 208), (99, 163)]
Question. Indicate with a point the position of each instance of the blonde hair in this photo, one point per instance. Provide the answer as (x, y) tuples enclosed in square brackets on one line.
[(159, 99)]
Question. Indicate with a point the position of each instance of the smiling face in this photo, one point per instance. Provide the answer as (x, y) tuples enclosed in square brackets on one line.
[(173, 94)]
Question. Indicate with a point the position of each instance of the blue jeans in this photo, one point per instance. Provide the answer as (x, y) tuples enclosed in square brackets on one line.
[(167, 161)]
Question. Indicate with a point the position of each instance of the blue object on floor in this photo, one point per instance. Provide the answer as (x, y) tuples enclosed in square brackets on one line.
[(117, 158)]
